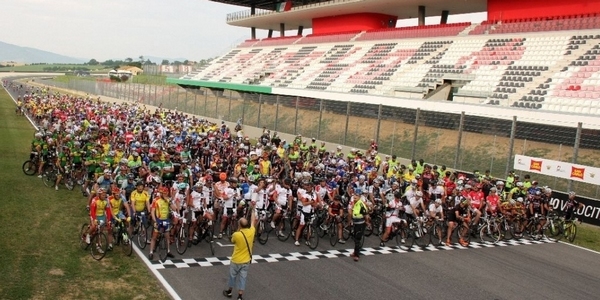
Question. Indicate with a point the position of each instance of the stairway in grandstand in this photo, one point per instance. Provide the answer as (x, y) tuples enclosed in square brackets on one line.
[(549, 64)]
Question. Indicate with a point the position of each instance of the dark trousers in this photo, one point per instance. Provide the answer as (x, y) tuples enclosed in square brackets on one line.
[(359, 230)]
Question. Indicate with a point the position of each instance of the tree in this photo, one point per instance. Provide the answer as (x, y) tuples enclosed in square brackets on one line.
[(141, 58), (135, 64), (128, 60), (148, 62), (186, 62), (93, 62), (165, 62), (176, 63)]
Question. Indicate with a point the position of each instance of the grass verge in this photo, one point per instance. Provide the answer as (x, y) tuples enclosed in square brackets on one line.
[(40, 257), (588, 236)]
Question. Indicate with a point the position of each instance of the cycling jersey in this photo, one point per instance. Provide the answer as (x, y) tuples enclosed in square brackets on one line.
[(115, 205), (139, 200), (477, 198), (161, 207), (99, 208), (492, 200)]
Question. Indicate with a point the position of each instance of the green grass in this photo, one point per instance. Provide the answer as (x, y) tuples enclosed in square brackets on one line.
[(39, 253), (67, 78), (150, 79), (40, 68), (588, 236)]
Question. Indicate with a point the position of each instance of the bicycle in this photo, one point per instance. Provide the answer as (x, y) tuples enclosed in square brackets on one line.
[(98, 239), (161, 241), (204, 231), (31, 166), (141, 229), (419, 232), (309, 232), (121, 237), (332, 229), (181, 232), (283, 227), (490, 231), (262, 233)]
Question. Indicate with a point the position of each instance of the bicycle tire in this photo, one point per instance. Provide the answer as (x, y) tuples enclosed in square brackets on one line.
[(142, 236), (332, 231), (437, 234), (368, 230), (489, 234), (99, 246), (286, 230), (554, 229), (422, 237), (181, 240), (312, 236), (85, 228), (162, 247), (211, 243), (571, 232), (320, 230), (69, 184), (29, 168), (49, 179), (376, 223), (263, 233), (126, 243), (466, 236), (404, 233)]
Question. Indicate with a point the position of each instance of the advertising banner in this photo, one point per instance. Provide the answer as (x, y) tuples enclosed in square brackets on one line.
[(589, 213), (558, 169)]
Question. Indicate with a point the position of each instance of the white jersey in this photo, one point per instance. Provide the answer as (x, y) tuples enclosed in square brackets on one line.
[(321, 191), (283, 195), (300, 193), (413, 202), (260, 198), (436, 192), (229, 196), (310, 197), (436, 210), (394, 208), (197, 200)]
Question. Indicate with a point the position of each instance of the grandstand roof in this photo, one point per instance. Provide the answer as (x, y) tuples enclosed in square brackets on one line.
[(302, 15), (266, 4)]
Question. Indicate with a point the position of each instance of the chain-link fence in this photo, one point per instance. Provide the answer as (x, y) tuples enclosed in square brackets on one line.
[(457, 141)]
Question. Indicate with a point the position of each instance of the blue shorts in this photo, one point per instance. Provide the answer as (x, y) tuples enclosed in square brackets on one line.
[(164, 225)]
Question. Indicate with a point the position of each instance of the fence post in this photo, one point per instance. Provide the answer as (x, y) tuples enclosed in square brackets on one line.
[(144, 93), (196, 102), (205, 102), (347, 120), (460, 131), (244, 108), (259, 109), (155, 97), (576, 150), (378, 124), (276, 112), (296, 118), (416, 134), (320, 119), (229, 111), (511, 144)]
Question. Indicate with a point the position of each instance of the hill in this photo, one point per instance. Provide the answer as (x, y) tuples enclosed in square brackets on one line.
[(10, 52)]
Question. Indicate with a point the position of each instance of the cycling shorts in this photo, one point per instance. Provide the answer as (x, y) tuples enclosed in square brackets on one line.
[(162, 225), (389, 221), (305, 217)]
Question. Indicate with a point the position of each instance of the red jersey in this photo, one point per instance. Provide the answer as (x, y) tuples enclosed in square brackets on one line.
[(477, 198), (493, 201)]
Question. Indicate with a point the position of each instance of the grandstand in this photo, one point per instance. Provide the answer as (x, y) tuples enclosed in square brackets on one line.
[(543, 56)]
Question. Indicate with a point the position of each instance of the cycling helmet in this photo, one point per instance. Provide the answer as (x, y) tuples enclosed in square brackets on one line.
[(414, 181), (499, 182), (233, 180), (358, 191), (137, 144), (101, 191), (38, 135), (438, 201), (548, 190), (520, 199), (459, 182), (223, 176), (111, 153), (519, 184), (468, 186), (512, 202), (182, 186), (493, 189), (572, 193), (124, 160), (154, 169), (130, 176), (139, 183), (419, 194)]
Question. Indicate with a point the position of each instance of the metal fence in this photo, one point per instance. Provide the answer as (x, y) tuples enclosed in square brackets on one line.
[(458, 141)]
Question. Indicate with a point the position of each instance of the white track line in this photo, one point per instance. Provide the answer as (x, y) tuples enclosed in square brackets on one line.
[(154, 271), (582, 248), (15, 101)]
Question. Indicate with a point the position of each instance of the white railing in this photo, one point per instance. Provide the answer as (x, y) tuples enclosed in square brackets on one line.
[(246, 14)]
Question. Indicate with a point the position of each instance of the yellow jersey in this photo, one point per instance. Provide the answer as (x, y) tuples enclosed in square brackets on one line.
[(161, 207), (115, 205), (139, 200)]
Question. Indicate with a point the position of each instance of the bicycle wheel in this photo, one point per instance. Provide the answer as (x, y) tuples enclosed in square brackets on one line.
[(571, 232), (286, 230), (126, 243), (85, 229), (555, 229), (422, 236), (29, 168), (49, 178), (376, 223), (368, 230), (320, 231), (142, 236), (263, 233), (463, 232), (312, 237), (99, 244), (181, 240), (332, 231), (162, 247), (489, 233), (69, 183), (346, 230), (211, 243), (437, 234), (404, 238)]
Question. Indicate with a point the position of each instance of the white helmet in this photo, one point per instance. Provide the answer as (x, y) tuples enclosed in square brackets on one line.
[(520, 199), (512, 202), (419, 194)]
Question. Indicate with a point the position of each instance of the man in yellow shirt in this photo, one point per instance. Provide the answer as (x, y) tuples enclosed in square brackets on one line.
[(243, 241)]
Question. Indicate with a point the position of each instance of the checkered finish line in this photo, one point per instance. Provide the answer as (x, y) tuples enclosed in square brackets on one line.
[(294, 256)]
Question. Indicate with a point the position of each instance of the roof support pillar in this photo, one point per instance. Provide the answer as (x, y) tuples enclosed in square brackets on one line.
[(444, 18), (253, 32), (300, 28), (282, 29), (270, 34), (421, 15)]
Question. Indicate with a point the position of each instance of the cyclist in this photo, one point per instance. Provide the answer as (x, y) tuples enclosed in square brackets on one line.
[(308, 198), (100, 213), (283, 201), (140, 201), (393, 216), (161, 209), (492, 201), (459, 213), (230, 196), (572, 205), (477, 202), (335, 213), (537, 209), (118, 205)]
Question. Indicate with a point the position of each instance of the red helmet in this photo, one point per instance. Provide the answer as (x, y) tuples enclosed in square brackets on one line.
[(223, 176)]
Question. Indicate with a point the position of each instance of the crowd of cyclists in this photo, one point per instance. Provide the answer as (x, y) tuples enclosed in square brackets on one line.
[(190, 179)]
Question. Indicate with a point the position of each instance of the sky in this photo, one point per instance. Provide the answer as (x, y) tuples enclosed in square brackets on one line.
[(118, 29)]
